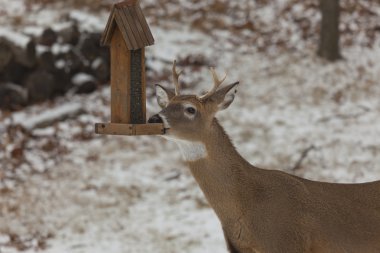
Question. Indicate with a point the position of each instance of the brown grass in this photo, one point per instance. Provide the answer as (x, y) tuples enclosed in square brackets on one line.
[(93, 5)]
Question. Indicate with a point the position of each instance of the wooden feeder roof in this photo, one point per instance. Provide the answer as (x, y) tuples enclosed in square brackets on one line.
[(130, 20)]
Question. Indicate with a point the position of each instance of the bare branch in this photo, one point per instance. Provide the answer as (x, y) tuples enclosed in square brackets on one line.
[(304, 154)]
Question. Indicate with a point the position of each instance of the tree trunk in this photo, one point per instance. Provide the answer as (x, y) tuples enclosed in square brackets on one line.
[(329, 37)]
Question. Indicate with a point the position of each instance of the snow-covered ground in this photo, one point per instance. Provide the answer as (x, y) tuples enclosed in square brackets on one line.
[(134, 194)]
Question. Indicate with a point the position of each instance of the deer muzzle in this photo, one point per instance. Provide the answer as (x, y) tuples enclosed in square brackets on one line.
[(155, 119)]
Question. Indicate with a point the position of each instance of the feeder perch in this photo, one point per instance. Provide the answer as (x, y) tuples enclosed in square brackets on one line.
[(127, 34)]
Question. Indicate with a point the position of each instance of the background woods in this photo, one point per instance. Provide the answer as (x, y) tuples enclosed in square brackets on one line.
[(65, 189), (40, 63)]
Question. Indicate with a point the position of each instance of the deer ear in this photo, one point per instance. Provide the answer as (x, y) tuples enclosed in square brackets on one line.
[(163, 96), (225, 96)]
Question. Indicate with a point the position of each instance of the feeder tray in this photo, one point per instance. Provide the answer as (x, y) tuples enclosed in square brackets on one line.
[(127, 34)]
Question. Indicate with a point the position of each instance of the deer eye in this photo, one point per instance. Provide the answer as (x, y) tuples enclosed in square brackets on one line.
[(190, 110)]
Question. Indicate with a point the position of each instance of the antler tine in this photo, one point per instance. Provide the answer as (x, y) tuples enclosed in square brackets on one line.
[(217, 83), (175, 78)]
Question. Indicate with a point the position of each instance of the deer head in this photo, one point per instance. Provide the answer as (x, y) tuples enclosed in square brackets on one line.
[(189, 117)]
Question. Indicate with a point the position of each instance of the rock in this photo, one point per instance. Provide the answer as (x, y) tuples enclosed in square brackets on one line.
[(64, 60), (89, 46), (22, 47), (6, 55), (62, 82), (40, 86), (84, 83), (48, 37), (101, 70), (46, 61), (86, 87), (12, 96), (70, 35), (70, 61), (15, 72)]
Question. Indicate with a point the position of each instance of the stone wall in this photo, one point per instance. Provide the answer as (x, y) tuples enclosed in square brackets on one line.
[(38, 68)]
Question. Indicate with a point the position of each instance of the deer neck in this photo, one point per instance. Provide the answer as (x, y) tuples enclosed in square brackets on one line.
[(215, 145), (218, 168)]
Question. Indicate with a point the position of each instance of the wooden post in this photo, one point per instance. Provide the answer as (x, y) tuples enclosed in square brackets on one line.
[(120, 80), (127, 33)]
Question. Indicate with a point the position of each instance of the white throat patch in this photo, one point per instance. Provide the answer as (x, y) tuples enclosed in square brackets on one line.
[(191, 151)]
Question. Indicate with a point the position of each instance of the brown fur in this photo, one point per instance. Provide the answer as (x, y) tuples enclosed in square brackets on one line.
[(270, 211), (267, 211)]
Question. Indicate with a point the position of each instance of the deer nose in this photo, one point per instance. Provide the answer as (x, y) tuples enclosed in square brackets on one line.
[(155, 119)]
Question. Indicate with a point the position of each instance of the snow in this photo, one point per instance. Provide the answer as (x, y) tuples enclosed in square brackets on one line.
[(11, 8), (61, 26), (16, 38), (60, 64), (81, 78), (135, 194), (40, 49), (96, 63), (33, 30), (50, 115), (59, 48), (17, 88), (89, 22)]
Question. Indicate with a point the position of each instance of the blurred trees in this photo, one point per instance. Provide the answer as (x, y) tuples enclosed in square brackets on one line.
[(329, 34)]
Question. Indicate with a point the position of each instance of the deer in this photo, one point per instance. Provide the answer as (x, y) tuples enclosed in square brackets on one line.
[(261, 210)]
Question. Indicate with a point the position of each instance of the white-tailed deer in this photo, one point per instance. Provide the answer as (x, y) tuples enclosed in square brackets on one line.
[(265, 211)]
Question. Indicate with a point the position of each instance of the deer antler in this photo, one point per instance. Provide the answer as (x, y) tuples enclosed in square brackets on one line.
[(175, 78), (217, 83)]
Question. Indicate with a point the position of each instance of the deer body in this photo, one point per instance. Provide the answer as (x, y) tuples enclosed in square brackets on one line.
[(266, 211)]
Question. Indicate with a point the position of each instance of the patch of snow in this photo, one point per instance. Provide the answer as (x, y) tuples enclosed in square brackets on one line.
[(89, 22), (33, 30), (40, 49), (30, 123), (60, 63), (61, 49), (61, 26), (81, 78), (4, 239), (96, 63), (15, 37), (20, 90)]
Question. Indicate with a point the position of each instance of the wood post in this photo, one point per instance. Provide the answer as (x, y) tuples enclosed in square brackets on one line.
[(127, 83), (120, 80)]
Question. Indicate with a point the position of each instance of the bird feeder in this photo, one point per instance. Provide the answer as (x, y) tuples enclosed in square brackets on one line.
[(127, 34)]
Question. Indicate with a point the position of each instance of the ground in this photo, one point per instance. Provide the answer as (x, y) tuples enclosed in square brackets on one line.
[(293, 112)]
